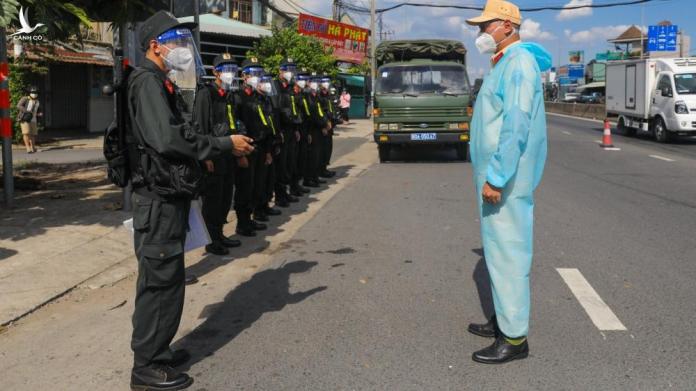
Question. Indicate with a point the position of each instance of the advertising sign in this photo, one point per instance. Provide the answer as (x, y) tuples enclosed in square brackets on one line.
[(662, 38), (349, 42), (576, 57)]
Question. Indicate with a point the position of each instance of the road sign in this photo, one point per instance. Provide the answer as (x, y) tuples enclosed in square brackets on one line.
[(662, 38), (576, 71)]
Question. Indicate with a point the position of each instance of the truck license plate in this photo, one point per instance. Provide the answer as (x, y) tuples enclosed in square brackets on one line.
[(423, 136)]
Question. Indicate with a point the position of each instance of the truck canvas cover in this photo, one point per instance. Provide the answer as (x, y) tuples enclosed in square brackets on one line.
[(432, 49)]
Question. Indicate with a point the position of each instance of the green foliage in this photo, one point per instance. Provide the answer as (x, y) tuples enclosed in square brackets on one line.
[(8, 12), (362, 69), (62, 19), (308, 52), (21, 72)]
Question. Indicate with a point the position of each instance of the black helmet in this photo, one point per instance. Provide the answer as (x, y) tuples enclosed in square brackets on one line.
[(33, 90)]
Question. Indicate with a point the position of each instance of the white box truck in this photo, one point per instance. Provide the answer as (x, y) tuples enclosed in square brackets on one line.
[(657, 96)]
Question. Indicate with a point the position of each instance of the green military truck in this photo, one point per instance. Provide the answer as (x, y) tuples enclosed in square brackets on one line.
[(422, 96)]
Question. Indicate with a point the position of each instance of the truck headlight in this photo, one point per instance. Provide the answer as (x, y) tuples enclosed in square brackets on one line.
[(383, 126), (393, 126), (459, 126), (680, 107)]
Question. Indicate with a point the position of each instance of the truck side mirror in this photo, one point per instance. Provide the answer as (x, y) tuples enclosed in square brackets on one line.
[(667, 92)]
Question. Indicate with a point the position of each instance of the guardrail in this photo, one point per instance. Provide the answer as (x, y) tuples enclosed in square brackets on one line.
[(584, 110)]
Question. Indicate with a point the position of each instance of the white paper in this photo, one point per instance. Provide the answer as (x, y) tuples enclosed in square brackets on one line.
[(197, 235)]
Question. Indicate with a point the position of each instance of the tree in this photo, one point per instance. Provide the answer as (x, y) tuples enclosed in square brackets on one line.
[(306, 51)]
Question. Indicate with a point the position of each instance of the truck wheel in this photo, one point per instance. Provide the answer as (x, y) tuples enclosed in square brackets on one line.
[(463, 152), (660, 131), (624, 130), (383, 152)]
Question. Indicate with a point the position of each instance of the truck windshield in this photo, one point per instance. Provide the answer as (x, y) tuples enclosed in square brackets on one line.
[(422, 79), (685, 83)]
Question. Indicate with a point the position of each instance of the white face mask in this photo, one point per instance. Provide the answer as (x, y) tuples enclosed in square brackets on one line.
[(227, 79), (253, 81), (485, 43), (287, 76), (178, 59), (325, 85), (267, 88), (302, 83), (313, 86), (34, 96)]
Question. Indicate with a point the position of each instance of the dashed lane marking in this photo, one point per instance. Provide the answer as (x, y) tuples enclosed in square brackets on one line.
[(599, 312), (658, 157), (567, 133)]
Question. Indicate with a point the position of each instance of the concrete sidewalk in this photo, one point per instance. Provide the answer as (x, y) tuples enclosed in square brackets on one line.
[(55, 240)]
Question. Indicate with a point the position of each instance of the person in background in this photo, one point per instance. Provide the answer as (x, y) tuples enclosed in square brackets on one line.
[(29, 111), (344, 104)]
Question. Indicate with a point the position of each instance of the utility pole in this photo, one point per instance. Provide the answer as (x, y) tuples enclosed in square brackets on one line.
[(6, 122), (373, 44), (336, 11), (196, 20)]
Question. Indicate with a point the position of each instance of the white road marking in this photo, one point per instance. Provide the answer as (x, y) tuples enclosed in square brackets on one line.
[(598, 311), (568, 133), (612, 149), (658, 157), (598, 141)]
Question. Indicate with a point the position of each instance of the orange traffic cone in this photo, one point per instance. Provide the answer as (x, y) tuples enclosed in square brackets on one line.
[(606, 139)]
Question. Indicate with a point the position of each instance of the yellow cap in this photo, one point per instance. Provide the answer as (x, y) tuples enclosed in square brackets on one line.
[(497, 9)]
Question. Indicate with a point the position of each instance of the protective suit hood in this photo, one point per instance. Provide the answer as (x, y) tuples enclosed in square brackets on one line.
[(541, 55)]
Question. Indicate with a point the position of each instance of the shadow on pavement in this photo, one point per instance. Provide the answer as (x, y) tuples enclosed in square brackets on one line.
[(266, 291), (257, 244), (483, 284)]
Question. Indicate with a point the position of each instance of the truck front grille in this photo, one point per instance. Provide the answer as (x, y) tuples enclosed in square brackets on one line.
[(419, 112), (417, 126)]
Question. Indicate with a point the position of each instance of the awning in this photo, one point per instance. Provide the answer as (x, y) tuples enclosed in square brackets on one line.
[(61, 52), (215, 24), (597, 84), (354, 81)]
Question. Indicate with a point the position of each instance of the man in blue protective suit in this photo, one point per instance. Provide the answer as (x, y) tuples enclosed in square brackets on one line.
[(508, 152)]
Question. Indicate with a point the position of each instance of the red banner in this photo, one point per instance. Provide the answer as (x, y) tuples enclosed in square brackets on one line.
[(349, 42)]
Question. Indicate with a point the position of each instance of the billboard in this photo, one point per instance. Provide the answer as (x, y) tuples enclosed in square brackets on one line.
[(349, 42), (576, 71), (576, 57)]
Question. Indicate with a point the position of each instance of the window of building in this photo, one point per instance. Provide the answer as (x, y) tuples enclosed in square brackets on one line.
[(241, 10)]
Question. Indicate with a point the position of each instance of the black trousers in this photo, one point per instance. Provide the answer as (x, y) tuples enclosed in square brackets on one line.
[(286, 162), (244, 190), (344, 113), (302, 157), (326, 150), (217, 196), (314, 153), (261, 180), (160, 231)]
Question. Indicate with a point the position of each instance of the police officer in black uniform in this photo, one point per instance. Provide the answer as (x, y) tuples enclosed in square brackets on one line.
[(267, 179), (164, 151), (317, 125), (288, 112), (327, 103), (298, 93), (251, 174), (215, 114)]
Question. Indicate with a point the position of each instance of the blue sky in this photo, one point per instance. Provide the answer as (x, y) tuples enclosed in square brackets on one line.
[(558, 31)]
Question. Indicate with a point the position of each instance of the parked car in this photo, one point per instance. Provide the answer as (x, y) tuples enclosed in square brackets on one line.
[(593, 97), (571, 97)]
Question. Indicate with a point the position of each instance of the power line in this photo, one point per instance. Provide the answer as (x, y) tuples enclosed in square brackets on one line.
[(355, 8)]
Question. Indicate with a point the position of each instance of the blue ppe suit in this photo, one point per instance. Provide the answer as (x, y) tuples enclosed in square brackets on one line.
[(508, 150)]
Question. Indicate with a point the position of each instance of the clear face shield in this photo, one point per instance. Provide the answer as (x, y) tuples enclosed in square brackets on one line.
[(325, 83), (228, 76), (266, 86), (288, 72), (252, 76), (302, 81), (181, 57)]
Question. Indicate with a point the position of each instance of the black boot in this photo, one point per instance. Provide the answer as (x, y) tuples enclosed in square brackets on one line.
[(258, 226), (488, 330), (217, 248), (292, 199), (260, 215), (327, 174), (282, 200), (501, 351), (297, 190), (231, 243), (159, 377), (245, 230), (272, 212), (310, 183)]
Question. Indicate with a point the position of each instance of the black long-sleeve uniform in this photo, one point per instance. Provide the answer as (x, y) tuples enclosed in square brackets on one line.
[(160, 225), (316, 120)]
